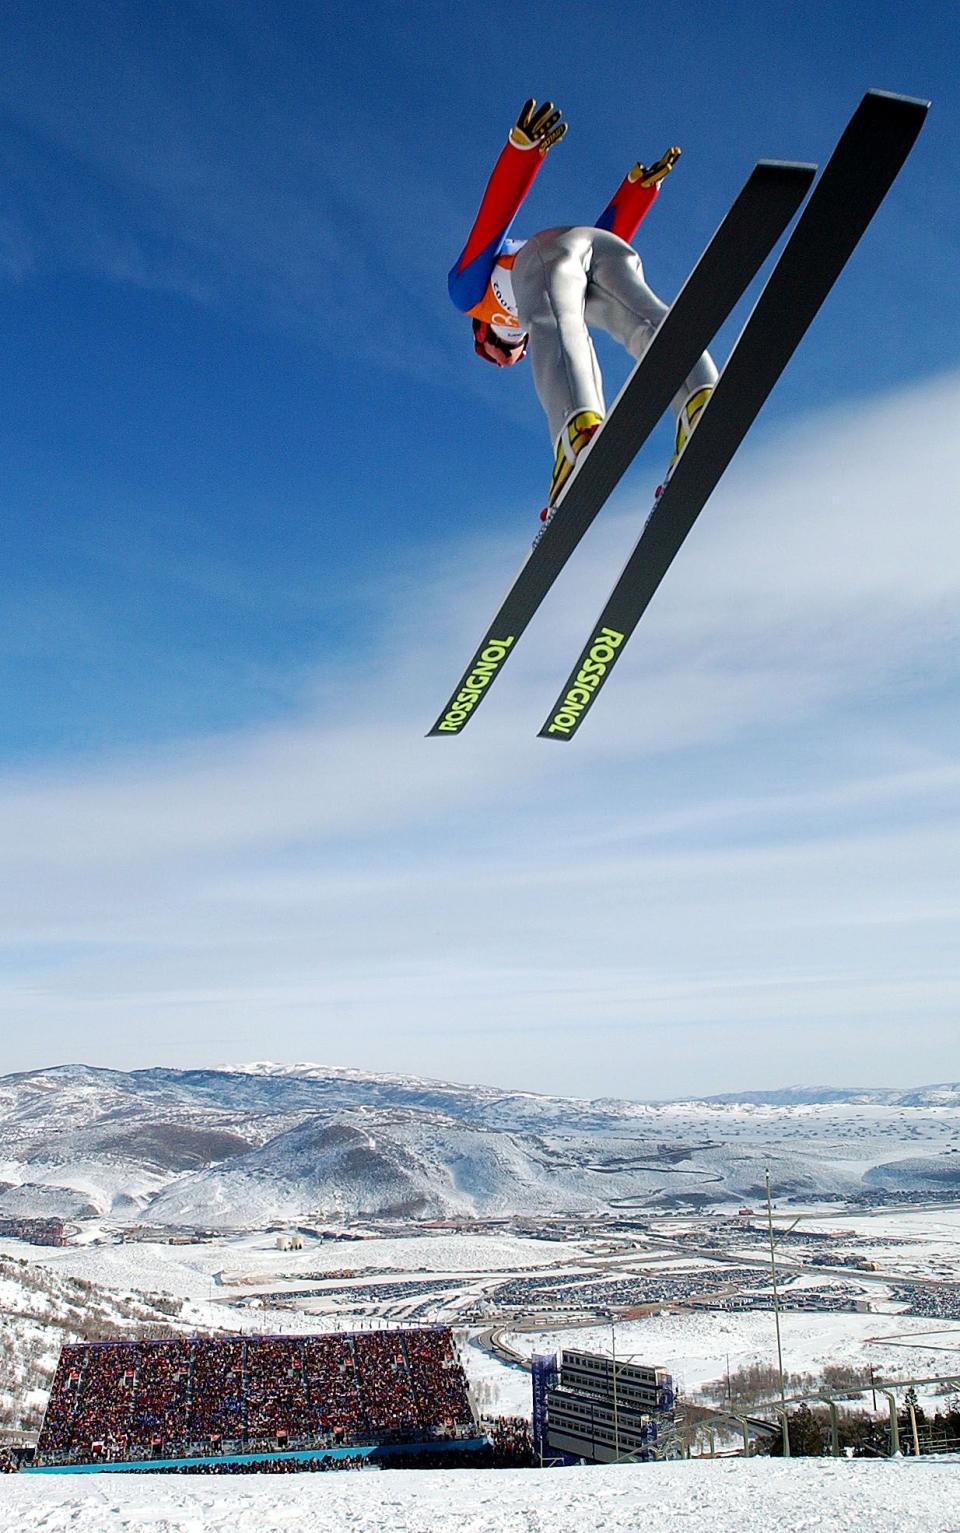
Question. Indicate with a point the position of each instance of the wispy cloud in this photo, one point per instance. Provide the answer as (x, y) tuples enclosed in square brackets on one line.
[(744, 868)]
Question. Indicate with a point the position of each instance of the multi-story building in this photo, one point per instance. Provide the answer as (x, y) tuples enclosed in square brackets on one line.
[(598, 1408)]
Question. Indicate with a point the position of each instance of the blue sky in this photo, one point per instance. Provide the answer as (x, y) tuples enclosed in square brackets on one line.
[(261, 500)]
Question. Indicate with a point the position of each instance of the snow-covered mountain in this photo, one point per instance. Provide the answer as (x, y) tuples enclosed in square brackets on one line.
[(241, 1144)]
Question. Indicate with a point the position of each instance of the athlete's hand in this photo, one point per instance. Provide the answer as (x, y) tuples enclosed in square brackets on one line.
[(655, 174), (537, 127)]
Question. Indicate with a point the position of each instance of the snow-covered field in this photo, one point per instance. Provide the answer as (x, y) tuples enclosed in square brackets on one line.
[(921, 1243), (500, 1389), (200, 1270), (696, 1346), (797, 1496)]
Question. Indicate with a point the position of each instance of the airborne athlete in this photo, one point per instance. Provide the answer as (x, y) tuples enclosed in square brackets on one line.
[(546, 291), (561, 280)]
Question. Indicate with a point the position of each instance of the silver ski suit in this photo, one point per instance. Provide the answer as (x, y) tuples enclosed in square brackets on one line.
[(567, 279)]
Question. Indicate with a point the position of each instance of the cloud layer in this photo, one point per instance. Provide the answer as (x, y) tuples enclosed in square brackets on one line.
[(742, 871)]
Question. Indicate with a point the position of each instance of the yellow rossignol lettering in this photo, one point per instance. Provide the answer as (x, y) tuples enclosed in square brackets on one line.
[(488, 663), (600, 656)]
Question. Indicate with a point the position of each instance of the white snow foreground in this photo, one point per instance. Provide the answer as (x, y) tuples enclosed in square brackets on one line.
[(862, 1496)]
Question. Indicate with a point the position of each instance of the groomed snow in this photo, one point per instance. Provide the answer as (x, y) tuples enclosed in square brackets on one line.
[(730, 1496)]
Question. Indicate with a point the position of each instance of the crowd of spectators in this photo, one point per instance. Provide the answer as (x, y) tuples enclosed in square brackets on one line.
[(438, 1381), (334, 1402), (436, 1458), (100, 1412), (203, 1395), (275, 1393), (263, 1466), (160, 1405), (385, 1383), (61, 1406), (215, 1404), (511, 1441)]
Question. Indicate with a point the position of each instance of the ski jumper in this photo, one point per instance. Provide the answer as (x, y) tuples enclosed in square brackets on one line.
[(556, 284)]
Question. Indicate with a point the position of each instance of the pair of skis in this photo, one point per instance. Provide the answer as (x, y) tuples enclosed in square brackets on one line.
[(868, 156)]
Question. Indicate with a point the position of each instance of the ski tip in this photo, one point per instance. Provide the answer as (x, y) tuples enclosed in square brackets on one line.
[(790, 179), (795, 167), (916, 103)]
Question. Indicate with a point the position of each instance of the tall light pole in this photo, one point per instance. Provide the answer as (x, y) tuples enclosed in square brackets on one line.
[(616, 1416), (776, 1316)]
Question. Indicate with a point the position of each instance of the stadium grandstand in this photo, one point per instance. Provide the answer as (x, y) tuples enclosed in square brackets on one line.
[(257, 1402)]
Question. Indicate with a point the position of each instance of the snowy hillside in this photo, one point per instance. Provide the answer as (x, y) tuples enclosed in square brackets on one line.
[(794, 1496), (239, 1145), (41, 1310)]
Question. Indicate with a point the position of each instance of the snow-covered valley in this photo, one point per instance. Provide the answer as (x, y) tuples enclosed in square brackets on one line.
[(268, 1201)]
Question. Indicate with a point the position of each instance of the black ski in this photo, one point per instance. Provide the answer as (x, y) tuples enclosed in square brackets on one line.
[(745, 238), (868, 156)]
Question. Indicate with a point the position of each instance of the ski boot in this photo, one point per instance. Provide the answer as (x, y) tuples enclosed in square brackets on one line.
[(573, 439), (686, 421)]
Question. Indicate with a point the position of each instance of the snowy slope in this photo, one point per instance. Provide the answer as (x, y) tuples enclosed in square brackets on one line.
[(417, 1166), (732, 1496), (42, 1309)]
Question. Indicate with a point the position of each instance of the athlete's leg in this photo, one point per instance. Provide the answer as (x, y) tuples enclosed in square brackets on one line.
[(619, 301), (550, 286)]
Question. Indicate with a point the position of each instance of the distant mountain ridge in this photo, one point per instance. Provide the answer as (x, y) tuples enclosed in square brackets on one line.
[(947, 1095), (414, 1089), (242, 1144), (785, 1096)]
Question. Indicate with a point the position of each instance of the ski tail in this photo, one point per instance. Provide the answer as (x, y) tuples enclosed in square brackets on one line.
[(869, 155), (758, 217)]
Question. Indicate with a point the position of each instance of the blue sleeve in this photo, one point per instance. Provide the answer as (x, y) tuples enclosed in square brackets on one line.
[(512, 178)]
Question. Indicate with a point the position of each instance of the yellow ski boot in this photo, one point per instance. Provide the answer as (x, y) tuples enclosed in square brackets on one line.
[(686, 420), (573, 439)]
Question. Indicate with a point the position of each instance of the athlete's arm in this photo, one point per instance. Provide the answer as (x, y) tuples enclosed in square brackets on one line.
[(635, 196), (536, 130)]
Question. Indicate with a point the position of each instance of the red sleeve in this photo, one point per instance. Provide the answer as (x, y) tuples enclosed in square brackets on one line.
[(627, 207), (513, 176)]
